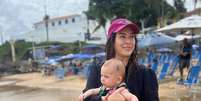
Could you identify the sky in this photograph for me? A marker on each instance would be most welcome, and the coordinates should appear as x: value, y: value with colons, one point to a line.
x: 189, y: 4
x: 18, y: 16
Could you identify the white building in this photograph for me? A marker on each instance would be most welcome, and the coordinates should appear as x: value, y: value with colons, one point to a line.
x: 65, y: 29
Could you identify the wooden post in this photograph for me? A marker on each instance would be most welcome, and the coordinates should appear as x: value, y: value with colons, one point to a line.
x: 12, y: 44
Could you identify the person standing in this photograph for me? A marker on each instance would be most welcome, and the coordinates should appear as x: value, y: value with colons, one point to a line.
x: 122, y: 45
x: 184, y: 58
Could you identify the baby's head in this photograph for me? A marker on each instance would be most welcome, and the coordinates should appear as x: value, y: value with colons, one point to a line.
x: 112, y: 73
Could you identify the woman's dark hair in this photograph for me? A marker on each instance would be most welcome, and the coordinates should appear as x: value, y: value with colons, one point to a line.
x: 110, y: 53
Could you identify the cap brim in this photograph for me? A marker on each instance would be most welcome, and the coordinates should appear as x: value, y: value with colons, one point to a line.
x: 132, y: 26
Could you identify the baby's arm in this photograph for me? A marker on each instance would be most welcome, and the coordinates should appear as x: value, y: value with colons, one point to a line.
x: 129, y: 96
x: 89, y: 93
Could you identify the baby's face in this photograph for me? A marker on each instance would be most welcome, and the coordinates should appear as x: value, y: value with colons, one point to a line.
x: 109, y: 77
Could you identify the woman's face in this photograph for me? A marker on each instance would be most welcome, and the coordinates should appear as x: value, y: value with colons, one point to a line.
x: 124, y: 43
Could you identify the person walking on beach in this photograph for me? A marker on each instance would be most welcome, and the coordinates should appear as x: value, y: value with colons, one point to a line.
x: 122, y: 45
x: 184, y: 58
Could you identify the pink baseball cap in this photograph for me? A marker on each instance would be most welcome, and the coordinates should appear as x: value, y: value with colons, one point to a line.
x: 119, y: 24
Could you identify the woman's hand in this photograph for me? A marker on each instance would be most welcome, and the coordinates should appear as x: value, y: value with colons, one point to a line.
x: 116, y: 95
x: 128, y: 96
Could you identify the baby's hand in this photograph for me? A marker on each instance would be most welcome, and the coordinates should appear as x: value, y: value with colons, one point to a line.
x: 81, y: 97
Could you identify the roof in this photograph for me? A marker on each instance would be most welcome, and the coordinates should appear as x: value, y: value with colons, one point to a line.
x: 193, y: 12
x: 58, y: 18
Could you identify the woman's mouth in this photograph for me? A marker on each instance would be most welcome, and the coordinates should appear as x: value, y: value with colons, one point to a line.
x: 128, y: 48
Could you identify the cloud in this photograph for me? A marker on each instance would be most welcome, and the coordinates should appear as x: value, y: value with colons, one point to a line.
x: 18, y: 16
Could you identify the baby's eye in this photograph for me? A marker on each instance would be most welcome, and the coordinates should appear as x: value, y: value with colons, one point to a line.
x: 104, y: 76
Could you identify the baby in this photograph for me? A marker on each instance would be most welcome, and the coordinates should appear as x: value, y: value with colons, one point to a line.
x: 112, y: 77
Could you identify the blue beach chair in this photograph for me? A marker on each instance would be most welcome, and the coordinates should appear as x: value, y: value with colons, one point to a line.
x: 174, y: 65
x: 193, y: 76
x: 154, y: 67
x: 164, y: 71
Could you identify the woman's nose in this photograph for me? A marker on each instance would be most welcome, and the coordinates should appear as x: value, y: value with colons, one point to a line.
x: 129, y: 40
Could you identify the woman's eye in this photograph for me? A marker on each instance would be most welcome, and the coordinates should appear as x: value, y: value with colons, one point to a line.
x: 123, y: 37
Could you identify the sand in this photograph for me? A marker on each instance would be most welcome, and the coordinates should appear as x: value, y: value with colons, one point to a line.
x: 49, y: 82
x: 71, y: 87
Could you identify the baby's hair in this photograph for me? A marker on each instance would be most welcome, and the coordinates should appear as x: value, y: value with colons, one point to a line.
x: 118, y: 65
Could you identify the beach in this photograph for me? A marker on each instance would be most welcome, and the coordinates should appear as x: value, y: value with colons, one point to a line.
x: 36, y: 87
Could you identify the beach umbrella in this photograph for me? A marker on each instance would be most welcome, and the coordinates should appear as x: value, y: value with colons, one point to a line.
x: 154, y: 39
x: 192, y: 23
x: 194, y: 46
x: 182, y: 37
x: 66, y: 57
x: 69, y: 56
x: 90, y: 46
x: 50, y: 62
x: 91, y: 49
x: 83, y: 56
x: 164, y: 50
x: 100, y: 54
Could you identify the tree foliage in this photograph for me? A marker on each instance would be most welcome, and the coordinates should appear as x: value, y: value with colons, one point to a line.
x: 147, y: 10
x: 179, y: 5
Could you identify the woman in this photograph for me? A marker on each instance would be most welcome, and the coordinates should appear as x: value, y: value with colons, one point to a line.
x: 122, y: 45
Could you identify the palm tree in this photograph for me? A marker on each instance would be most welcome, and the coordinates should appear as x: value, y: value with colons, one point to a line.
x: 97, y: 10
x: 195, y: 3
x: 45, y: 19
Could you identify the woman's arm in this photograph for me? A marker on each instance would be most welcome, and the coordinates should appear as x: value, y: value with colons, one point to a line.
x: 93, y: 81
